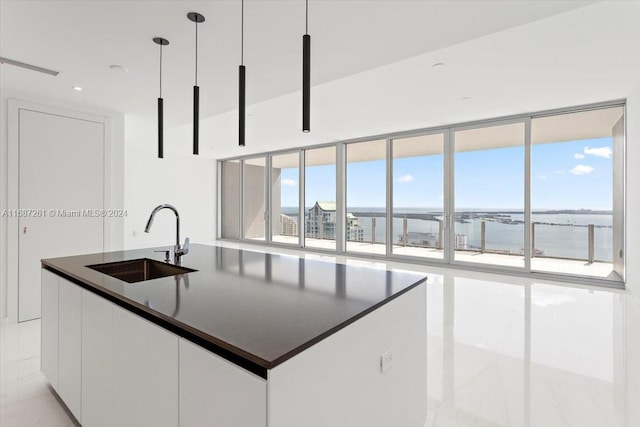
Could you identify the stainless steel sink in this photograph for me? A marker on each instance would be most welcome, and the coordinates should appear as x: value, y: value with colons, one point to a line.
x: 139, y: 270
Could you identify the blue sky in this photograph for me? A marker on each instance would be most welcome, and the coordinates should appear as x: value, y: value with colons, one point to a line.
x: 572, y: 175
x: 568, y: 175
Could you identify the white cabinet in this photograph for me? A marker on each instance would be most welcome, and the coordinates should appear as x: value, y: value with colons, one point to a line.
x: 215, y: 392
x: 145, y: 372
x: 69, y: 346
x: 49, y: 325
x: 97, y: 360
x: 114, y: 368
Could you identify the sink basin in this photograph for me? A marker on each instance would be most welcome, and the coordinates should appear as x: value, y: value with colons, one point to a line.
x: 139, y: 270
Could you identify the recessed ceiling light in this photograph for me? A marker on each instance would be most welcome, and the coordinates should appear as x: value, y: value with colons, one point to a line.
x: 78, y: 88
x: 119, y: 68
x: 438, y: 65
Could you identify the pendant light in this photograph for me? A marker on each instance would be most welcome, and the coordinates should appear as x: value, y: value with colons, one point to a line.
x: 241, y: 82
x: 196, y: 18
x: 162, y: 42
x: 306, y: 74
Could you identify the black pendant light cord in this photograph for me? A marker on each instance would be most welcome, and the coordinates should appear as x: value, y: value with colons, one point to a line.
x: 160, y: 70
x: 306, y: 17
x: 242, y: 33
x: 196, y: 84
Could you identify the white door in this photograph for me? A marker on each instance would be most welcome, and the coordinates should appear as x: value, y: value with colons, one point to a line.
x: 61, y: 173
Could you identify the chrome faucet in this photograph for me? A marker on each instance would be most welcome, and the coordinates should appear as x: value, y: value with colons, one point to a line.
x: 178, y: 250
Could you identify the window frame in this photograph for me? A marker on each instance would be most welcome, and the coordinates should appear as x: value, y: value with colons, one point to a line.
x: 448, y: 259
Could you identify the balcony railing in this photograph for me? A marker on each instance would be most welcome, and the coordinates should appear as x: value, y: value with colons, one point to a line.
x: 435, y: 239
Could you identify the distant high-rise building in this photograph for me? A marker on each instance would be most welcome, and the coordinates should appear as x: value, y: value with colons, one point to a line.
x: 288, y: 225
x: 321, y: 223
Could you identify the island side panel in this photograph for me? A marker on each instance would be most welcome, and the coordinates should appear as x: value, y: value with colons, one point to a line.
x: 49, y: 325
x: 339, y: 381
x: 214, y: 391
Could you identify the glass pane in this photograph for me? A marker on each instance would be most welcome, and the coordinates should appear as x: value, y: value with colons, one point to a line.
x: 285, y: 174
x: 366, y: 197
x: 489, y: 195
x: 253, y: 181
x: 230, y: 199
x: 320, y: 198
x: 418, y: 196
x: 574, y: 221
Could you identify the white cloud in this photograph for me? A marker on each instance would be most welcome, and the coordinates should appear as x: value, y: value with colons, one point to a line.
x: 579, y: 156
x: 542, y: 177
x: 599, y: 152
x: 581, y: 170
x: 404, y: 179
x: 558, y: 172
x: 289, y: 182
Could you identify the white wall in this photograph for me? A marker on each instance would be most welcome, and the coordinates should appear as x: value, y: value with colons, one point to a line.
x: 117, y: 173
x: 180, y: 178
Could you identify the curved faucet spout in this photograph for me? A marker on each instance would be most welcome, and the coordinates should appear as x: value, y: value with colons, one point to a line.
x: 158, y: 209
x: 178, y: 250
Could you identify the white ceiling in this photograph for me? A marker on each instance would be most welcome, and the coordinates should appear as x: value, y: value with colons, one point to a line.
x: 583, y: 56
x: 82, y: 38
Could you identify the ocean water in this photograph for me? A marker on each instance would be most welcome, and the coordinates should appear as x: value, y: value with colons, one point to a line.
x: 559, y: 235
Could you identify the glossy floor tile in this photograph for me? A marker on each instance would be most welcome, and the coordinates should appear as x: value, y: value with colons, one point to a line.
x: 502, y: 351
x: 513, y: 352
x: 25, y: 397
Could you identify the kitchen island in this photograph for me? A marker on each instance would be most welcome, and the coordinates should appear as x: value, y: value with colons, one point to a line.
x: 242, y: 339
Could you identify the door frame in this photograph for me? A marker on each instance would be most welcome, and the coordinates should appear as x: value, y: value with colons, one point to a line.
x: 13, y: 185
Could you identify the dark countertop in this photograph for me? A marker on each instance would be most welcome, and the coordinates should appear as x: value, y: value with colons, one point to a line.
x: 255, y: 309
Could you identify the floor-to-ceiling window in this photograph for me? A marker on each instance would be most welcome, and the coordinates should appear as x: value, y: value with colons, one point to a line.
x: 488, y: 222
x: 254, y: 209
x: 230, y: 199
x: 540, y: 193
x: 418, y: 227
x: 285, y: 195
x: 576, y: 192
x: 320, y: 198
x: 366, y: 177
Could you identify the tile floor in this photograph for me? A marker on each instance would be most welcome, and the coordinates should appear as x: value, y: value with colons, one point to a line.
x: 502, y: 351
x: 25, y: 397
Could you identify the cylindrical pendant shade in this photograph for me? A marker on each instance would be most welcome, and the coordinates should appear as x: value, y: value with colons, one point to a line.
x: 160, y: 129
x: 162, y: 42
x: 241, y: 106
x: 196, y: 118
x: 306, y: 83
